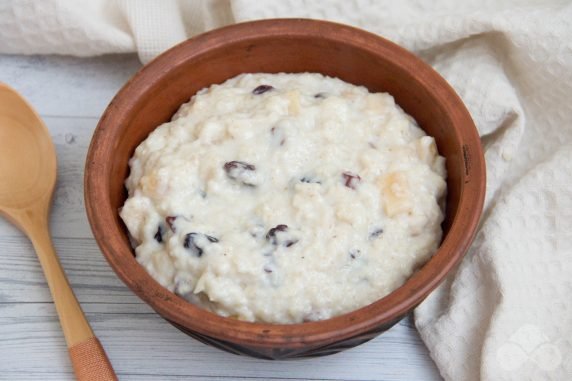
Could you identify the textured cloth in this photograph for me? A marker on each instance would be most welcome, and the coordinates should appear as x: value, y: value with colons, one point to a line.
x: 93, y: 27
x: 506, y: 314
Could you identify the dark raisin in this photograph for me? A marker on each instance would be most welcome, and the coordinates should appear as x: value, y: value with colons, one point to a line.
x: 285, y: 241
x: 271, y: 235
x: 375, y: 233
x: 190, y: 243
x: 239, y: 171
x: 262, y: 89
x: 229, y: 166
x: 159, y: 235
x: 170, y: 220
x: 354, y: 253
x: 320, y: 96
x: 211, y: 238
x: 290, y: 242
x: 351, y: 180
x: 310, y: 180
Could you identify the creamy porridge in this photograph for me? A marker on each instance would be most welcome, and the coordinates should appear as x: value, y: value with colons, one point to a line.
x: 285, y: 198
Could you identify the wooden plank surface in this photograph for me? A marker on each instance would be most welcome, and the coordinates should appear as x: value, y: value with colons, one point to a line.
x: 70, y: 94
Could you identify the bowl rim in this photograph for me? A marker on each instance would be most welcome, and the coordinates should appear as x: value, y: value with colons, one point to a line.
x: 384, y: 311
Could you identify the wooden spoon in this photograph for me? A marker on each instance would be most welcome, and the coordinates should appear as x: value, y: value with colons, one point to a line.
x: 27, y: 180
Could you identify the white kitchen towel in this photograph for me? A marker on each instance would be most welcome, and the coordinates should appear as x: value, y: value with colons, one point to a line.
x: 506, y: 314
x: 93, y: 27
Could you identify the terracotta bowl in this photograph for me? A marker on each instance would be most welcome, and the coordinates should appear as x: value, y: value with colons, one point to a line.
x: 153, y: 95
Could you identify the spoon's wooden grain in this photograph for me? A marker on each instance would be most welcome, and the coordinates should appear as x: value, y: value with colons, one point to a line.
x: 27, y: 180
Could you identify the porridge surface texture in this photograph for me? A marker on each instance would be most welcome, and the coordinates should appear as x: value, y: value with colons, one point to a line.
x: 285, y: 198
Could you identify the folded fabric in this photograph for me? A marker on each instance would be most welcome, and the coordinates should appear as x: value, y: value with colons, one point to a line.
x: 506, y: 314
x: 94, y: 27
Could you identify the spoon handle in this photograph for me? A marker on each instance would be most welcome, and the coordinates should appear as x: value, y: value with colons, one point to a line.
x: 88, y: 358
x: 90, y: 363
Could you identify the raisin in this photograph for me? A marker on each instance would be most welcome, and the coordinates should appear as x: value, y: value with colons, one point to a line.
x: 262, y: 89
x: 375, y: 233
x: 271, y: 235
x: 159, y: 235
x: 190, y: 243
x: 273, y: 239
x: 320, y: 96
x: 231, y: 165
x: 240, y: 171
x: 211, y: 238
x: 351, y: 180
x: 310, y: 180
x: 290, y: 242
x: 170, y: 220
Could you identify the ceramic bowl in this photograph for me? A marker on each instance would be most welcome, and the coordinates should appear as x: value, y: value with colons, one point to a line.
x: 153, y: 95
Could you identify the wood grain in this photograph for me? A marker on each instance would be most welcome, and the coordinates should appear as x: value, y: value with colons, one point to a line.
x: 28, y: 173
x: 142, y: 346
x: 143, y: 343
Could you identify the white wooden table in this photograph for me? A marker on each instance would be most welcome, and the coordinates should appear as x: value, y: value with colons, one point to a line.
x: 70, y: 94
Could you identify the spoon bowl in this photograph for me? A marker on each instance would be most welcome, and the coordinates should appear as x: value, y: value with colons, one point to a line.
x: 27, y: 155
x: 27, y: 179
